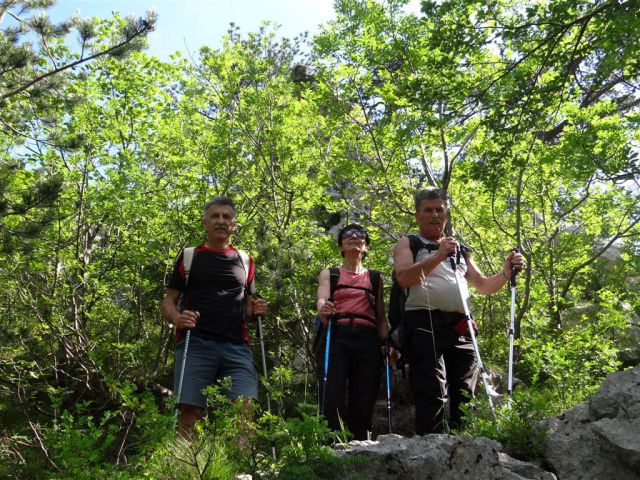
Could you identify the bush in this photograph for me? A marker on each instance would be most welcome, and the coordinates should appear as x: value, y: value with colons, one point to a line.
x: 516, y: 425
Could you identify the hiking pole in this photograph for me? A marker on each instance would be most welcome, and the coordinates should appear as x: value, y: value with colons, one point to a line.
x: 264, y: 370
x: 264, y: 359
x: 326, y: 361
x: 184, y: 364
x: 187, y: 260
x: 387, y: 354
x: 474, y: 340
x: 512, y: 323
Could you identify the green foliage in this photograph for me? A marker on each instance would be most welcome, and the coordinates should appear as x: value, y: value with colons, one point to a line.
x: 516, y: 427
x: 217, y: 451
x: 79, y: 443
x: 35, y: 70
x: 573, y: 362
x: 227, y: 442
x: 302, y: 445
x: 526, y: 113
x: 84, y: 444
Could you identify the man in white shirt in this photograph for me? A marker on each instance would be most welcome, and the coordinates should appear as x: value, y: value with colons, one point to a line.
x: 441, y: 355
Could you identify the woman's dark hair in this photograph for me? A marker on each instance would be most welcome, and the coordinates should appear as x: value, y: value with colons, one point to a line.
x: 354, y: 226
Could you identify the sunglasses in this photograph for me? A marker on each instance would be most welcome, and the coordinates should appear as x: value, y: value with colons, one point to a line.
x: 352, y: 232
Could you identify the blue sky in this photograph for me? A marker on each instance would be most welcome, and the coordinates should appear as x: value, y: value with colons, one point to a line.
x: 190, y: 24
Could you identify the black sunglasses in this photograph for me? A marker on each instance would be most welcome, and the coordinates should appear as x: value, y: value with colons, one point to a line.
x: 353, y: 231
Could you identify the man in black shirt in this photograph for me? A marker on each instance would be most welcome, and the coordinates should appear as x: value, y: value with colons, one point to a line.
x: 217, y: 300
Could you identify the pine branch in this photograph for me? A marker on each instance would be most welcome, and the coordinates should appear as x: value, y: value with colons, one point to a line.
x: 147, y: 27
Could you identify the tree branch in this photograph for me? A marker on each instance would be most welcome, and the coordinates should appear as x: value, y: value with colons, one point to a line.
x: 593, y: 258
x: 147, y: 27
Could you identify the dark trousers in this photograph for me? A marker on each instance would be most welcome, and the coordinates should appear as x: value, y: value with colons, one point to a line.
x: 442, y: 364
x: 353, y: 379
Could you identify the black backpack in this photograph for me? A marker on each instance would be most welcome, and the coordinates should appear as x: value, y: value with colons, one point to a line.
x: 398, y: 296
x: 334, y: 277
x: 374, y: 276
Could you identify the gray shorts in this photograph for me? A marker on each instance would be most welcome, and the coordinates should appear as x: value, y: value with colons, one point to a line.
x: 209, y: 361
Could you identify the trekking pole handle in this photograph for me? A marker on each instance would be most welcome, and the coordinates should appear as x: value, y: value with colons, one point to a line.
x: 514, y: 272
x: 331, y: 300
x: 257, y: 296
x: 452, y: 258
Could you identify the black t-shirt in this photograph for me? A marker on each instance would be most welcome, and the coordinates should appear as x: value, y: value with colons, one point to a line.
x: 218, y: 283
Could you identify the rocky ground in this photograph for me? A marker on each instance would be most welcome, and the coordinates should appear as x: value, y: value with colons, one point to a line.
x: 598, y: 439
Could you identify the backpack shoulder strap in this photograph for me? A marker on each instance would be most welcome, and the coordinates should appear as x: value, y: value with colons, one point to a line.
x: 246, y: 262
x: 187, y: 260
x: 374, y: 276
x: 416, y: 243
x: 334, y: 276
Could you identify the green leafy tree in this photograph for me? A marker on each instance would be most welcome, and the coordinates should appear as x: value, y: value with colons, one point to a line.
x: 36, y: 62
x: 463, y: 98
x: 254, y: 132
x: 527, y: 115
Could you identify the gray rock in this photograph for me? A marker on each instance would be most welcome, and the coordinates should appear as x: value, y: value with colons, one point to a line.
x: 524, y: 469
x: 619, y: 396
x: 599, y: 439
x: 629, y: 356
x: 443, y: 457
x: 623, y: 438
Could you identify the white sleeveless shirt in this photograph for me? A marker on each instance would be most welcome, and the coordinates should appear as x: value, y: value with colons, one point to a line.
x: 438, y: 290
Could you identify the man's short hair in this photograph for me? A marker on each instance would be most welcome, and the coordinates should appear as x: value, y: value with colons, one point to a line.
x: 431, y: 193
x: 222, y: 201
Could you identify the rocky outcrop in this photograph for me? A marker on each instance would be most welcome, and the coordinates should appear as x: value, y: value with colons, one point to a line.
x: 596, y: 440
x: 599, y: 438
x: 442, y: 457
